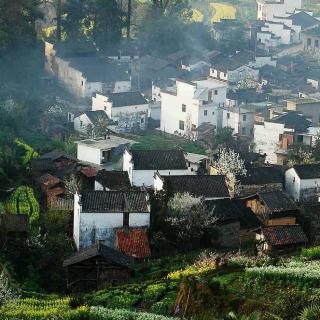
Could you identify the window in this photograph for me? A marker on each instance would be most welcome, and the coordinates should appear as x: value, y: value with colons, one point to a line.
x: 184, y: 108
x: 213, y: 113
x: 300, y: 139
x: 308, y: 42
x: 193, y: 127
x: 105, y: 108
x: 205, y: 113
x: 210, y: 96
x: 228, y: 115
x: 243, y: 130
x: 81, y: 123
x: 181, y: 125
x: 316, y: 43
x: 244, y: 117
x: 142, y: 120
x: 215, y: 92
x: 82, y: 83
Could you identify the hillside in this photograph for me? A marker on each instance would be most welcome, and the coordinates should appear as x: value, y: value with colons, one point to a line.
x: 198, y: 286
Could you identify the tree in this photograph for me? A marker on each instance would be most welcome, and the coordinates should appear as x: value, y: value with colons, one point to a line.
x: 188, y: 215
x: 28, y: 153
x: 72, y: 184
x: 223, y: 138
x: 230, y: 165
x: 129, y: 14
x: 17, y: 22
x: 300, y: 154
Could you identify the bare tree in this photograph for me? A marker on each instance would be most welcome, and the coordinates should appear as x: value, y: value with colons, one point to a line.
x: 72, y: 184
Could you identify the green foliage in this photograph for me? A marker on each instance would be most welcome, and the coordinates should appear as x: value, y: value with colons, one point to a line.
x: 23, y: 201
x: 154, y: 291
x: 311, y: 253
x: 311, y: 313
x: 29, y: 153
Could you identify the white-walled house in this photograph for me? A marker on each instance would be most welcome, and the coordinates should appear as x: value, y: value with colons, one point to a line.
x: 190, y: 105
x: 239, y: 119
x: 97, y: 215
x: 204, y: 186
x: 267, y: 9
x: 238, y: 70
x: 267, y: 135
x: 129, y: 109
x: 88, y: 120
x: 302, y: 182
x: 141, y: 165
x: 196, y: 162
x: 86, y: 74
x: 102, y: 152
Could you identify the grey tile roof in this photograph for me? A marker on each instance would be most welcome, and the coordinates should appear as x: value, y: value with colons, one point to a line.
x: 99, y: 114
x: 123, y: 99
x: 304, y: 20
x: 56, y: 154
x: 307, y: 171
x: 114, y: 201
x: 262, y: 175
x: 158, y: 160
x: 229, y: 210
x: 114, y: 180
x: 198, y: 185
x: 41, y: 164
x: 225, y: 63
x: 102, y: 251
x: 293, y: 120
x: 14, y: 222
x: 313, y: 31
x: 277, y: 201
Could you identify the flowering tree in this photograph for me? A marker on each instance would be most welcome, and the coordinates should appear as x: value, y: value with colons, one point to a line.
x: 188, y: 215
x: 6, y: 293
x: 230, y: 165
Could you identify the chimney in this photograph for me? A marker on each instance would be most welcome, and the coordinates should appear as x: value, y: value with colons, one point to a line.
x: 126, y: 214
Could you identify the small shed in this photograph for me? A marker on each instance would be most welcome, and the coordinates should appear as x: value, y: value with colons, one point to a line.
x: 234, y: 222
x: 281, y: 237
x: 96, y: 267
x: 13, y: 227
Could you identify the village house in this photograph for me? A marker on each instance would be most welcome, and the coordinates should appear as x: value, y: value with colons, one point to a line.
x: 102, y: 152
x: 191, y: 104
x: 280, y: 238
x: 268, y: 9
x: 84, y: 73
x: 309, y: 107
x: 298, y: 22
x: 235, y: 70
x: 236, y: 98
x: 240, y: 119
x: 203, y: 186
x: 273, y: 208
x: 112, y: 181
x: 87, y: 121
x: 311, y: 39
x: 98, y: 214
x: 302, y: 182
x: 260, y: 179
x: 268, y: 135
x: 141, y: 165
x: 129, y: 109
x: 197, y: 163
x: 313, y: 78
x: 97, y: 267
x: 234, y: 222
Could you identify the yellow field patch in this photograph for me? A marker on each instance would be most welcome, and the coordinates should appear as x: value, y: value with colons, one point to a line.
x: 222, y: 11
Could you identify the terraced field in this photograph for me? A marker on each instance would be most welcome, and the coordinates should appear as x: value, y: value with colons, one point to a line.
x: 222, y: 11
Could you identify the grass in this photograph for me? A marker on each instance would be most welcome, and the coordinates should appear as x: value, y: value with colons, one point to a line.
x: 163, y: 141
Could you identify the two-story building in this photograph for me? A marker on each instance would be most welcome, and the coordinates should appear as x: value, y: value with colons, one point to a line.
x: 190, y: 104
x: 268, y: 134
x: 129, y: 109
x: 267, y: 9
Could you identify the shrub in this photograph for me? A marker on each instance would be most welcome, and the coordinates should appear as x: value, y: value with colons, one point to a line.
x: 311, y: 253
x: 154, y: 291
x: 166, y: 305
x: 311, y: 313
